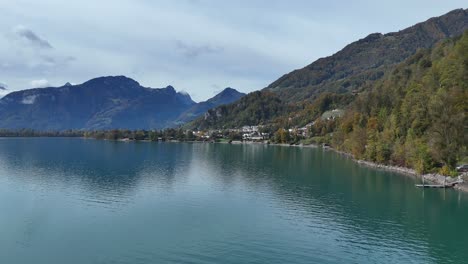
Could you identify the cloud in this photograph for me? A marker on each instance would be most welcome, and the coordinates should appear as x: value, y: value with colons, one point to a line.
x: 40, y: 83
x: 28, y: 35
x: 193, y: 51
x: 3, y: 89
x: 24, y: 54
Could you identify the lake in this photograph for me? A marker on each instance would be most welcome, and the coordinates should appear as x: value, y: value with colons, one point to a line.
x: 68, y: 200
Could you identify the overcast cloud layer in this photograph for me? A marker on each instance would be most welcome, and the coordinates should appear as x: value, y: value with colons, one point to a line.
x: 195, y: 45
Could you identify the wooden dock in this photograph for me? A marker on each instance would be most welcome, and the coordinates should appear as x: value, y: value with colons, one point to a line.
x: 448, y: 185
x: 435, y: 185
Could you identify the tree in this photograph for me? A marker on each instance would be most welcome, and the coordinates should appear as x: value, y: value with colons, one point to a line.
x: 153, y: 135
x: 190, y: 136
x: 446, y: 132
x: 282, y: 136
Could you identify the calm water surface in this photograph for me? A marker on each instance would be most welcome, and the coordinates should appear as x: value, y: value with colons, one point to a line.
x: 88, y: 201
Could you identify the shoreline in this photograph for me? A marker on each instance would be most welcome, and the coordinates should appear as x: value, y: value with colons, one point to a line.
x: 433, y: 178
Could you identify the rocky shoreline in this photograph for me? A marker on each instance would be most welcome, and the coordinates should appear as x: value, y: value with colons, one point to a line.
x: 430, y: 178
x: 433, y: 178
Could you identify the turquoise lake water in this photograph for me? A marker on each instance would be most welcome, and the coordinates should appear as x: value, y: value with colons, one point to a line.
x: 87, y: 201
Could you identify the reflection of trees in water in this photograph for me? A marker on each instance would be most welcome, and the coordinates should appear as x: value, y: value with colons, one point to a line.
x: 366, y: 201
x: 100, y: 167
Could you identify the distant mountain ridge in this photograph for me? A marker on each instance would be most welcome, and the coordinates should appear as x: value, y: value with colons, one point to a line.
x: 226, y: 96
x: 368, y: 58
x: 100, y: 103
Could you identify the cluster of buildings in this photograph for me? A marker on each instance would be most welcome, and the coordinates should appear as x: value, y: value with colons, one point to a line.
x: 301, y: 131
x: 253, y: 133
x: 332, y: 114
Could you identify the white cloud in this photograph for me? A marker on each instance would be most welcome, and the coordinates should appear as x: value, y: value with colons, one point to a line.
x: 39, y: 83
x: 25, y: 54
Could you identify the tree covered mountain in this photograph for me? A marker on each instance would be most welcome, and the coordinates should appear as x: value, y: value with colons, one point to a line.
x: 255, y: 108
x: 416, y: 116
x: 100, y: 103
x: 333, y: 81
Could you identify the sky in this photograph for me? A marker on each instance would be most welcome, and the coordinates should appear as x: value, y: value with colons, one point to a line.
x: 197, y: 46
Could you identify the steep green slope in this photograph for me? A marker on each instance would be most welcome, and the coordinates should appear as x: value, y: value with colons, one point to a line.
x: 254, y: 108
x: 299, y: 96
x: 415, y: 116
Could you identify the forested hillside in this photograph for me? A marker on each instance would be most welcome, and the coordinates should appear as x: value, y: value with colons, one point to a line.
x: 254, y: 108
x: 415, y: 116
x: 332, y: 82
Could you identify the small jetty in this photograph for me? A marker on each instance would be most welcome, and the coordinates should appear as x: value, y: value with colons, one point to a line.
x: 435, y: 185
x: 445, y: 185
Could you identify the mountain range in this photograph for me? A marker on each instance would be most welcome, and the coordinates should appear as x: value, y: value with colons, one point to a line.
x: 294, y: 99
x: 103, y: 103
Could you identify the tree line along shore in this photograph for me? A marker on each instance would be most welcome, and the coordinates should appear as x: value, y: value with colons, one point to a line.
x: 257, y: 134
